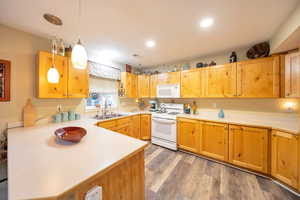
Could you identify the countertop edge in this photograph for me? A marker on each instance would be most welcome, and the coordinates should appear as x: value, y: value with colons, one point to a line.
x: 240, y: 124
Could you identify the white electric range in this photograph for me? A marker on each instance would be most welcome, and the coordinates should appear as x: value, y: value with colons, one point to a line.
x: 164, y: 131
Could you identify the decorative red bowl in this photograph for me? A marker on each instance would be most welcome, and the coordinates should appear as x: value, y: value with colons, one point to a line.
x: 70, y: 134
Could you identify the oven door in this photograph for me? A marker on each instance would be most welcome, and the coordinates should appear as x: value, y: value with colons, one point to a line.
x: 164, y: 129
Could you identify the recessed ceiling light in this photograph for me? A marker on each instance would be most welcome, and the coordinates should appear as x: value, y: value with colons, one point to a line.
x: 150, y: 43
x: 206, y: 22
x: 53, y: 19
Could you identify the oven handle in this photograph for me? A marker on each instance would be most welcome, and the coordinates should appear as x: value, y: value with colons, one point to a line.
x: 164, y: 121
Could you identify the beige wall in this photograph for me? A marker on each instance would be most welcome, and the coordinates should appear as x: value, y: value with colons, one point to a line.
x: 219, y: 58
x: 286, y: 30
x: 21, y: 49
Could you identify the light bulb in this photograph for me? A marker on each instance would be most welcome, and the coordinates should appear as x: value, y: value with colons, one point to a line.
x: 53, y: 75
x: 79, y: 56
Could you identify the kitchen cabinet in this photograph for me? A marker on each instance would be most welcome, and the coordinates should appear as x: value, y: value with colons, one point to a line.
x: 258, y: 78
x: 73, y: 83
x: 143, y: 86
x: 214, y: 140
x: 128, y: 85
x: 188, y: 134
x: 168, y: 78
x: 292, y: 75
x: 192, y: 83
x: 135, y: 126
x: 78, y: 82
x: 153, y: 85
x: 145, y: 127
x: 220, y: 81
x: 285, y: 158
x: 248, y: 147
x: 51, y: 90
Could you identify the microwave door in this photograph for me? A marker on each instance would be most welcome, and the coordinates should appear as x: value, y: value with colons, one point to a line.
x: 164, y: 92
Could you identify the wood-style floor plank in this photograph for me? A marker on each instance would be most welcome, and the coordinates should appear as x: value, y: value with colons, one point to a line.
x: 174, y: 175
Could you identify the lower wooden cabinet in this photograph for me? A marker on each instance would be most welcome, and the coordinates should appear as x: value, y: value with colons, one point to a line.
x: 135, y: 126
x: 188, y: 134
x: 248, y: 147
x: 285, y: 158
x: 145, y: 129
x: 214, y: 140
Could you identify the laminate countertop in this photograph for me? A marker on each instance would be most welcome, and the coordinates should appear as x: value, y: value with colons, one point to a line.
x: 277, y: 121
x: 40, y: 167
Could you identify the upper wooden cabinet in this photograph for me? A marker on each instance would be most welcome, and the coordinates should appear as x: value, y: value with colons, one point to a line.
x: 188, y: 134
x: 143, y: 86
x: 258, y: 78
x: 214, y: 140
x: 248, y: 147
x: 129, y: 85
x: 145, y: 130
x: 220, y: 81
x: 192, y: 83
x: 153, y: 85
x: 78, y: 82
x: 291, y: 75
x: 285, y: 158
x: 168, y: 78
x: 73, y: 83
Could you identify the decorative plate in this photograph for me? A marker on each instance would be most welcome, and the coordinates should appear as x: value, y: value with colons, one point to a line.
x: 70, y: 134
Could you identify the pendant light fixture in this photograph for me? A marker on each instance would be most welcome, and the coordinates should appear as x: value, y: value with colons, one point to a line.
x: 52, y: 74
x: 79, y: 55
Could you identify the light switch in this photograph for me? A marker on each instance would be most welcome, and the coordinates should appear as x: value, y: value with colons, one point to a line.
x: 94, y: 194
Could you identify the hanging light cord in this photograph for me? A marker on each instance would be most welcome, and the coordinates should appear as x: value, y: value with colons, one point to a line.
x: 79, y: 16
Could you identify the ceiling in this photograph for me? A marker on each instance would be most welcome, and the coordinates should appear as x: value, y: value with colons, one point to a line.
x: 123, y: 26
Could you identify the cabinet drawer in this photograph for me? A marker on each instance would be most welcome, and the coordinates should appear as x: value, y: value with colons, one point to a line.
x: 107, y: 124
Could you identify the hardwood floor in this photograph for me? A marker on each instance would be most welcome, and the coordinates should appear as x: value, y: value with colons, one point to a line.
x: 180, y: 176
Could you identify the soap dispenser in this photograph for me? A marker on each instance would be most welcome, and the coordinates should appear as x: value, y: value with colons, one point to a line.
x: 221, y: 114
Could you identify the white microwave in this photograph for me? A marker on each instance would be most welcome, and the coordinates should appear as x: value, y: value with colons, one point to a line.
x: 168, y: 91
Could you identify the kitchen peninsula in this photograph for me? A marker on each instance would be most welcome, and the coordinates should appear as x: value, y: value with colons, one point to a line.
x: 42, y: 168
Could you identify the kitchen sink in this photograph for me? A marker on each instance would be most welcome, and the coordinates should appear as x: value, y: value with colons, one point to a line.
x: 110, y: 116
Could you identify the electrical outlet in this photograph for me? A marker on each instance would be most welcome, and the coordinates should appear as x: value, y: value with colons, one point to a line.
x: 94, y: 194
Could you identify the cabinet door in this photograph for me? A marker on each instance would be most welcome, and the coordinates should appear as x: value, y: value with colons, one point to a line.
x: 191, y: 83
x: 220, y: 81
x: 50, y: 90
x: 153, y: 85
x: 78, y: 82
x: 145, y: 127
x: 125, y: 129
x: 173, y: 78
x: 135, y: 126
x: 258, y: 78
x: 248, y: 147
x: 188, y: 134
x: 214, y: 140
x: 134, y: 86
x: 168, y: 78
x: 292, y: 75
x: 129, y: 84
x: 285, y: 158
x: 143, y: 86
